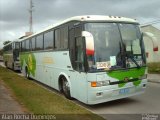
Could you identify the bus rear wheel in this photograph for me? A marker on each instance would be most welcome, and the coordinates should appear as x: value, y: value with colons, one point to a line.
x: 13, y: 66
x: 5, y: 63
x: 66, y: 88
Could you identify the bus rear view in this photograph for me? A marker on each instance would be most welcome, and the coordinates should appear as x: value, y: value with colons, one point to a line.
x: 11, y: 55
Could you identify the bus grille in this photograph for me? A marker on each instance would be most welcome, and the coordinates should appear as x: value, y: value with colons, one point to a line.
x: 123, y: 81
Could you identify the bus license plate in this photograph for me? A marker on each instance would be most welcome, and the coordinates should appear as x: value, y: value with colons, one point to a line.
x: 124, y: 91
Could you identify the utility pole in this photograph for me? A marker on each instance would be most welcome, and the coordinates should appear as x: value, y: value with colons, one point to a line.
x: 31, y: 19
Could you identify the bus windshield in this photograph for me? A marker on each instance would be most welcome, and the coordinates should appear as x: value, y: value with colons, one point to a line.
x: 117, y: 46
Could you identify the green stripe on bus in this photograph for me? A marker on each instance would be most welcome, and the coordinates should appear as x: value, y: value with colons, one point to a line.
x: 130, y: 73
x: 30, y: 60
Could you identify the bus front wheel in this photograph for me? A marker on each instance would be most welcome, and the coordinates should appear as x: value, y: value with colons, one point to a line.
x: 66, y: 88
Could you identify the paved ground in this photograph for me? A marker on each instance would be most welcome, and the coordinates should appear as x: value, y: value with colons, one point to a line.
x: 154, y: 78
x: 130, y: 108
x: 7, y: 103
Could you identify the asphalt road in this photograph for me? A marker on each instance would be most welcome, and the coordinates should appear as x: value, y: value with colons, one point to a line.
x: 133, y: 108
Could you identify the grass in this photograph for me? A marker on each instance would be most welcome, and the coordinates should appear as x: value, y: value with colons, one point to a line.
x: 154, y: 67
x: 38, y: 100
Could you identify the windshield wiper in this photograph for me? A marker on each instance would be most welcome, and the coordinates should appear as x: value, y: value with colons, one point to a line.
x: 131, y: 57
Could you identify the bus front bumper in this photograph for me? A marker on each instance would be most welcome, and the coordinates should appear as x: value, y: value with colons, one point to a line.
x: 105, y: 94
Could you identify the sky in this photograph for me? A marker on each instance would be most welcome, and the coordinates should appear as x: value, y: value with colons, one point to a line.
x: 14, y: 14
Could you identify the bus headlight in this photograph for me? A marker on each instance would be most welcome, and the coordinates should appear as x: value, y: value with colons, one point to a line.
x: 100, y: 83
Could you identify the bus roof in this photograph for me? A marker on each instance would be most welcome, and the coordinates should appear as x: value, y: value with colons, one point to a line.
x: 87, y: 18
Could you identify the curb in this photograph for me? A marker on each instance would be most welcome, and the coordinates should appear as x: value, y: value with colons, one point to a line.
x: 154, y: 81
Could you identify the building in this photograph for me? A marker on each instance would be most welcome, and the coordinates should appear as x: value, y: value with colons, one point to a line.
x: 152, y: 56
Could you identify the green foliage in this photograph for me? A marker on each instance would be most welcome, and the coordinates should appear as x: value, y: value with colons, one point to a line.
x: 154, y: 67
x: 1, y: 52
x: 6, y: 42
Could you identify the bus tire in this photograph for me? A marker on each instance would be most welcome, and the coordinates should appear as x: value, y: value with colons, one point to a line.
x: 13, y: 66
x: 27, y: 73
x: 5, y: 63
x: 66, y: 88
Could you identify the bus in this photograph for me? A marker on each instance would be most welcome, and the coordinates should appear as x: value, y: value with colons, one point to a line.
x: 11, y: 55
x: 93, y: 59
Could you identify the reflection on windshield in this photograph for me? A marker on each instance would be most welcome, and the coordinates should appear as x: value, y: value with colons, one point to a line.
x: 111, y: 41
x: 131, y: 38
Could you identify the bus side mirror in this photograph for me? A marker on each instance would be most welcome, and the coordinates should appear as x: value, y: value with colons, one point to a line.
x: 89, y: 42
x: 153, y: 39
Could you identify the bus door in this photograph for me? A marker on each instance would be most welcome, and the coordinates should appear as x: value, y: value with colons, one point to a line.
x: 77, y: 55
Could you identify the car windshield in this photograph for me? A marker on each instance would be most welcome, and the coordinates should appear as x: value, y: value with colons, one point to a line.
x: 117, y: 45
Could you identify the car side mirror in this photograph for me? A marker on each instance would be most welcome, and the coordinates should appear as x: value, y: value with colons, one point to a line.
x: 153, y: 39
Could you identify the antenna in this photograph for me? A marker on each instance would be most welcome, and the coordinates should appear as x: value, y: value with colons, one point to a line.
x: 31, y: 19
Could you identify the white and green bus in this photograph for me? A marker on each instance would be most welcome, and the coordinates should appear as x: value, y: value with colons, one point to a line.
x: 11, y: 55
x: 94, y: 58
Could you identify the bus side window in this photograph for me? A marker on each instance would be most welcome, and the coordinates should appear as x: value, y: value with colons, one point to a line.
x: 17, y: 45
x: 30, y: 45
x: 23, y: 46
x: 48, y: 40
x: 79, y: 54
x: 72, y: 47
x: 27, y: 45
x: 13, y: 46
x: 64, y: 37
x: 76, y: 47
x: 33, y: 43
x: 57, y: 38
x: 39, y: 42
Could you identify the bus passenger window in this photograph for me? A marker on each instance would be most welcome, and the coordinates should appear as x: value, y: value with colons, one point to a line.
x: 57, y: 38
x: 17, y: 45
x: 39, y: 42
x: 64, y: 37
x: 33, y: 42
x: 79, y: 54
x: 48, y: 40
x: 23, y: 46
x: 27, y: 45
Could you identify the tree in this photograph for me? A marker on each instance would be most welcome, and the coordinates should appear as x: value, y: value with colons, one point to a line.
x: 1, y: 52
x: 6, y: 42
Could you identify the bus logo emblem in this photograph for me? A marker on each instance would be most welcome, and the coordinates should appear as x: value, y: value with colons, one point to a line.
x: 126, y: 79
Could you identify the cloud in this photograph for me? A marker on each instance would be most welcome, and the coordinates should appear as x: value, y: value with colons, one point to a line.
x: 14, y: 15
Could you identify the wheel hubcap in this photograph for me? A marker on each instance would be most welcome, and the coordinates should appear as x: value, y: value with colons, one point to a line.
x: 65, y: 86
